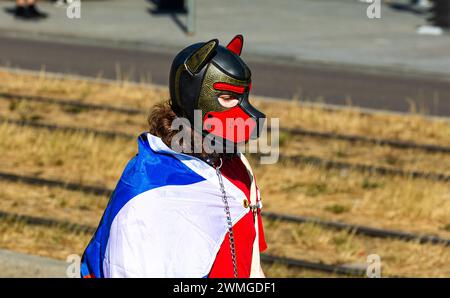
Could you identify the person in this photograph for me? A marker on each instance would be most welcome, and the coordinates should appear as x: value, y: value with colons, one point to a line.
x: 421, y: 6
x: 27, y: 9
x: 179, y: 212
x: 440, y: 14
x: 425, y: 4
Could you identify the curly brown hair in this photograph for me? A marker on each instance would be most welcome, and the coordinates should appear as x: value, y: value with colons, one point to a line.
x: 160, y: 121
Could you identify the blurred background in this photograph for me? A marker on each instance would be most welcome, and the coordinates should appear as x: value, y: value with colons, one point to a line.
x: 361, y: 88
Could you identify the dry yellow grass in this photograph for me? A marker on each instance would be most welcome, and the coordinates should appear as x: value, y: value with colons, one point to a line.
x: 55, y: 243
x: 298, y: 241
x: 80, y: 158
x: 360, y: 153
x: 390, y: 202
x: 120, y: 94
x: 417, y: 205
x: 397, y: 258
x: 290, y: 240
x: 377, y: 201
x: 303, y: 192
x: 281, y: 271
x: 56, y: 203
x: 68, y: 116
x: 290, y: 144
x: 69, y: 206
x: 59, y: 243
x: 414, y: 128
x: 293, y: 114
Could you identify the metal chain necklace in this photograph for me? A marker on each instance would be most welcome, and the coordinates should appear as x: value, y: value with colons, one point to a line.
x: 229, y: 222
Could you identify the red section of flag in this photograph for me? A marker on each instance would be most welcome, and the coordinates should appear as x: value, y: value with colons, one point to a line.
x: 244, y: 230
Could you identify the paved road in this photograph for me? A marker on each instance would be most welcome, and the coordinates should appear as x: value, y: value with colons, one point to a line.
x: 13, y: 264
x: 314, y: 30
x: 285, y: 79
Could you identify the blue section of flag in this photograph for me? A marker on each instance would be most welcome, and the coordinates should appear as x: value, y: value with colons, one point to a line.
x: 146, y: 171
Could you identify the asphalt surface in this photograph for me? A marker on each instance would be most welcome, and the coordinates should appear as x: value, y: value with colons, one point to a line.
x: 333, y: 84
x: 14, y: 265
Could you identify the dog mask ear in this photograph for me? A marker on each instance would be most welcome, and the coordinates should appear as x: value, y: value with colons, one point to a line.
x: 236, y: 44
x: 199, y: 58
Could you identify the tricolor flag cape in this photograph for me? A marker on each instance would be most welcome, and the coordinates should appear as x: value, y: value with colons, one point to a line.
x: 165, y: 217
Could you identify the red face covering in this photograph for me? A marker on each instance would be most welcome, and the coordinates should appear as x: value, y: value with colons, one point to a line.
x: 234, y: 124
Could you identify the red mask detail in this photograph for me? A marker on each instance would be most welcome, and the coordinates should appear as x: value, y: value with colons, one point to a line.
x: 229, y: 87
x: 236, y: 44
x: 233, y: 124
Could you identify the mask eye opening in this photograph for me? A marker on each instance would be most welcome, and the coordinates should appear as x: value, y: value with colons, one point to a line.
x: 229, y: 99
